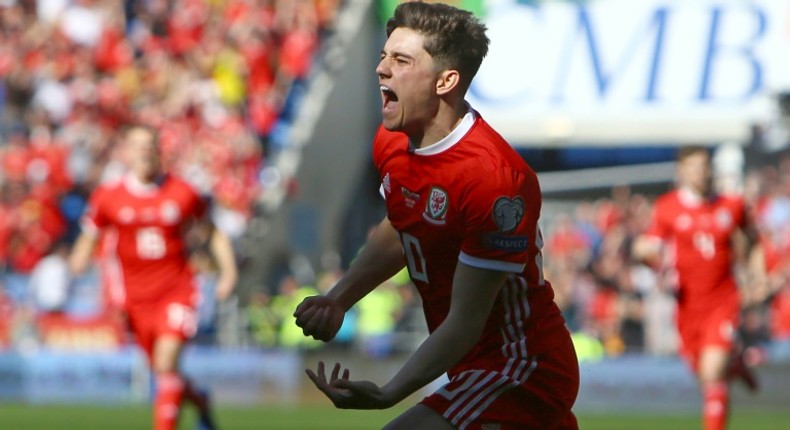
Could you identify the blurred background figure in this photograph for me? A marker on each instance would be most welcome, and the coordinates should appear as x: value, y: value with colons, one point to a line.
x: 152, y: 212
x: 704, y: 226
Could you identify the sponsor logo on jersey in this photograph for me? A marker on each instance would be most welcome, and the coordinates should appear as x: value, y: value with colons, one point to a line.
x: 508, y: 213
x: 723, y: 218
x: 126, y: 215
x: 683, y: 222
x: 170, y: 212
x: 409, y: 197
x: 436, y: 207
x: 386, y: 183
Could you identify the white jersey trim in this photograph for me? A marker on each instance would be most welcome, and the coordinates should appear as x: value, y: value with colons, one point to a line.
x: 451, y: 139
x: 690, y: 198
x: 482, y: 263
x: 139, y: 188
x: 477, y: 390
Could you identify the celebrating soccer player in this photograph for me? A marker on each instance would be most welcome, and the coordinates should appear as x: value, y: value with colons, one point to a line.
x: 462, y: 215
x: 150, y: 212
x: 702, y: 229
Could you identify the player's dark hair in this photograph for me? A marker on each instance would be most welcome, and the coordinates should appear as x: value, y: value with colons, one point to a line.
x: 689, y: 150
x: 454, y: 38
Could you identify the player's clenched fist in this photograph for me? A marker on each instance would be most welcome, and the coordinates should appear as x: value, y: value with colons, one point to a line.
x: 319, y: 317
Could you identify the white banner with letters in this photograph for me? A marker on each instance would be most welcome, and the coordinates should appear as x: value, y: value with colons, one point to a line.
x: 608, y: 72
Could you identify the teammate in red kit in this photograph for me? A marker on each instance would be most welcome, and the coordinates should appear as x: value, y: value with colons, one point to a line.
x: 462, y: 215
x: 703, y: 229
x: 150, y: 212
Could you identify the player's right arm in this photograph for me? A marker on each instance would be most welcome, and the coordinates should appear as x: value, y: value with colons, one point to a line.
x: 380, y: 259
x: 82, y: 252
x: 648, y: 247
x: 92, y: 221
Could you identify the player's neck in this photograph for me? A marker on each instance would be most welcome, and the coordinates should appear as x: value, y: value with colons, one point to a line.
x: 144, y: 180
x: 446, y: 120
x: 141, y: 184
x: 455, y: 136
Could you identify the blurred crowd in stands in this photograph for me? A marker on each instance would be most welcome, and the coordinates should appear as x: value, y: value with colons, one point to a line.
x: 219, y: 79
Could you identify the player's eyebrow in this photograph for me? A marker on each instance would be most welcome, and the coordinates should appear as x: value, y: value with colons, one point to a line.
x: 396, y: 54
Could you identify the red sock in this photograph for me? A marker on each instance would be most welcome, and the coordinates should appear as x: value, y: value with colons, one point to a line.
x: 715, y: 406
x: 167, y: 404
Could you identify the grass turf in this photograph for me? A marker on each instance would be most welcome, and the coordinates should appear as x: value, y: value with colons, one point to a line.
x: 35, y: 417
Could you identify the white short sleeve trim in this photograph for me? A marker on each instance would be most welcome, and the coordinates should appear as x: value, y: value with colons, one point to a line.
x: 451, y: 139
x: 482, y: 263
x: 381, y: 191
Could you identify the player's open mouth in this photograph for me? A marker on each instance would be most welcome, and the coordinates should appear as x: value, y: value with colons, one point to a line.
x: 388, y: 97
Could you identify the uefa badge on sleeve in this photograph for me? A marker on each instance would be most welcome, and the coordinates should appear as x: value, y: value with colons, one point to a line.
x: 169, y: 212
x: 508, y: 213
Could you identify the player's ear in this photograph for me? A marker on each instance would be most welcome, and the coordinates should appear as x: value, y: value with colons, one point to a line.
x: 447, y: 81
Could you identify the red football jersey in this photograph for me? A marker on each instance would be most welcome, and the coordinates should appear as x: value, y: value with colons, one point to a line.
x: 701, y: 232
x: 150, y: 223
x: 471, y: 198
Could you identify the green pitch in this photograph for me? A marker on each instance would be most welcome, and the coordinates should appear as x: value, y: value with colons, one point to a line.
x: 26, y: 417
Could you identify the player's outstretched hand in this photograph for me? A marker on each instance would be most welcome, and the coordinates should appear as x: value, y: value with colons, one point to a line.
x: 347, y: 394
x: 319, y: 317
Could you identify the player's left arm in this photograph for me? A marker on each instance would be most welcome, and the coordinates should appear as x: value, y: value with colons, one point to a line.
x: 758, y: 286
x: 221, y: 249
x: 91, y: 224
x: 474, y: 293
x: 648, y: 247
x: 219, y: 244
x: 749, y: 260
x: 82, y: 252
x: 746, y: 238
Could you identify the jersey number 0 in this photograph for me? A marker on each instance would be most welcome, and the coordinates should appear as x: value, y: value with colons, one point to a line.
x: 414, y: 258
